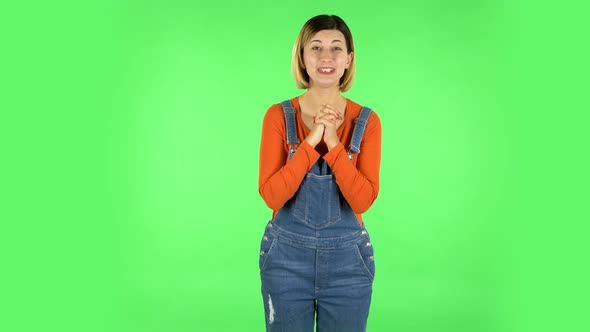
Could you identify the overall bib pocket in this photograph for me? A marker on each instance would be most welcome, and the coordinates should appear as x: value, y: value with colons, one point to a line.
x: 317, y: 203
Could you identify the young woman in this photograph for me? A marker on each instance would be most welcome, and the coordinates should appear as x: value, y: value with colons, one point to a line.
x: 319, y: 171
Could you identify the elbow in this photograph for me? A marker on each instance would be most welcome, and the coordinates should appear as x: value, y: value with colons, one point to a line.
x: 270, y: 201
x: 363, y: 205
x: 275, y: 206
x: 361, y: 208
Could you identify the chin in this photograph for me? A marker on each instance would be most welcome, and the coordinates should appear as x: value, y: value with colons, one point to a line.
x: 328, y: 84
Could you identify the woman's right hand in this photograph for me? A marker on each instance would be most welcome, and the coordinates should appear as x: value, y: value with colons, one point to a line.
x: 316, y: 134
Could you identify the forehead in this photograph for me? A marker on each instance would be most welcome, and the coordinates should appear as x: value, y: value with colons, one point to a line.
x: 328, y: 36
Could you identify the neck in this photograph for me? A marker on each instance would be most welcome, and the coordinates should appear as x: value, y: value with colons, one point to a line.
x: 317, y: 96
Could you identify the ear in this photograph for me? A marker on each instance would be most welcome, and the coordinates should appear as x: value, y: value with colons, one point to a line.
x: 349, y: 60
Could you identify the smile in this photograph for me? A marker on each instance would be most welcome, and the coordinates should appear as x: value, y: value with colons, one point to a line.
x: 325, y: 70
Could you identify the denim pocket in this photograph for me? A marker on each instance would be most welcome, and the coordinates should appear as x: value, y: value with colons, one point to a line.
x: 365, y: 254
x: 318, y: 201
x: 266, y: 245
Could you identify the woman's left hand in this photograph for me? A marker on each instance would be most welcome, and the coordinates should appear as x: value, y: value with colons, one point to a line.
x: 331, y: 119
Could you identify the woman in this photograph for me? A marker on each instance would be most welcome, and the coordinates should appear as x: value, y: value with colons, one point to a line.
x: 319, y: 171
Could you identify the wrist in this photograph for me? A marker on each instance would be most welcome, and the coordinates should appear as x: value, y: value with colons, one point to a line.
x: 332, y: 144
x: 311, y: 141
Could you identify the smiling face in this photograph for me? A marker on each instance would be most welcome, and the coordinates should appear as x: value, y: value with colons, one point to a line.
x: 326, y: 58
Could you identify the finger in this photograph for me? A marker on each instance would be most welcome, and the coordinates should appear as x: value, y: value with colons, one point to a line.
x: 326, y: 122
x: 328, y: 117
x: 316, y: 118
x: 327, y: 113
x: 329, y: 107
x: 326, y: 108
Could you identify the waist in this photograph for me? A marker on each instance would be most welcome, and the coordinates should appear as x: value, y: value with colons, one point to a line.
x: 358, y: 216
x: 345, y: 240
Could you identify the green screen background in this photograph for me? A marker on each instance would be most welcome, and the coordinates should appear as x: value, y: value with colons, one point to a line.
x: 131, y: 167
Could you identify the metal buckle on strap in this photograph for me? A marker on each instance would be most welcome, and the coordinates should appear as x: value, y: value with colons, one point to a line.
x: 292, y: 149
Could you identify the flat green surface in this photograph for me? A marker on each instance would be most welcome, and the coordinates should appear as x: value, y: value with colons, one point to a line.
x: 130, y: 136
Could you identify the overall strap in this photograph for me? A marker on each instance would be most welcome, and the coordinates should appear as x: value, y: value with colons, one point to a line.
x: 359, y: 131
x: 291, y: 126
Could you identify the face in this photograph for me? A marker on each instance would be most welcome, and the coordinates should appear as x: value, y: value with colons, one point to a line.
x: 325, y: 58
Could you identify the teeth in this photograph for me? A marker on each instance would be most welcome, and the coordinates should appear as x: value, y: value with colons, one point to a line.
x: 326, y: 70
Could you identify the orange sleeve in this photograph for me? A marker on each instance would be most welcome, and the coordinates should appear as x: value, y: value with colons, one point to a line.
x: 279, y: 178
x: 359, y: 184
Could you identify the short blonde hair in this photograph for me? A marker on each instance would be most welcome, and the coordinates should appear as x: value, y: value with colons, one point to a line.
x: 311, y: 27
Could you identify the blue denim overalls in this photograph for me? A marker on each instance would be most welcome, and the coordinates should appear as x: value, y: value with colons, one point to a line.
x: 315, y: 258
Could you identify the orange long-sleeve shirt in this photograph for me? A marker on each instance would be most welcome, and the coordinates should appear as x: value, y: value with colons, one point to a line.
x: 279, y: 178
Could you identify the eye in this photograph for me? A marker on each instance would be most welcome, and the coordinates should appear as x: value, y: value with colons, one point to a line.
x: 337, y: 48
x: 315, y: 48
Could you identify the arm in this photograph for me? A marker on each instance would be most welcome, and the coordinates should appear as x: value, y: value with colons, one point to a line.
x: 279, y: 178
x: 359, y: 184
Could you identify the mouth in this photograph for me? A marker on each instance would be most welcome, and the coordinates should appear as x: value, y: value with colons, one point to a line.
x: 326, y: 70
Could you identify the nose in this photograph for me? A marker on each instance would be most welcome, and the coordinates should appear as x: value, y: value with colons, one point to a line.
x: 326, y: 55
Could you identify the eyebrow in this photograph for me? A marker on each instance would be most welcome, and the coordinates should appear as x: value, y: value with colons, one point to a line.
x: 333, y: 41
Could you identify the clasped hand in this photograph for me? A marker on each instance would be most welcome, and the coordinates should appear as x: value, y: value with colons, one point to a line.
x: 325, y: 124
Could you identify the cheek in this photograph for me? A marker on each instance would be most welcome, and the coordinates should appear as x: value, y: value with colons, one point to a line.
x: 343, y: 58
x: 308, y: 61
x: 309, y: 66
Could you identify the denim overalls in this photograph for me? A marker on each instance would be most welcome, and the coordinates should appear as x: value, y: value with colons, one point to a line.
x: 315, y: 257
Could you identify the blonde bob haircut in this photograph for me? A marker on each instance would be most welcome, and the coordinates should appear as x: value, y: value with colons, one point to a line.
x: 311, y: 27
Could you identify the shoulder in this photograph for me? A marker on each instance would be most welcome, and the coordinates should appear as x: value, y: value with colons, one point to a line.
x: 273, y: 112
x: 275, y: 118
x: 356, y: 108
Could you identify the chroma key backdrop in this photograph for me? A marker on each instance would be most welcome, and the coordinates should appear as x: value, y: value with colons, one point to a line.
x: 134, y: 176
